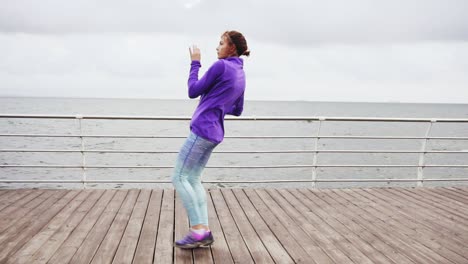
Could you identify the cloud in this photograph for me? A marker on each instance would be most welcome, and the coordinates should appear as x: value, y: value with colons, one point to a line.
x: 92, y: 65
x: 189, y: 3
x: 335, y: 50
x: 156, y: 66
x: 405, y: 72
x: 297, y: 22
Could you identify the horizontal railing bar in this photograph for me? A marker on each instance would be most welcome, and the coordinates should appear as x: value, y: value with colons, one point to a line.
x: 245, y: 118
x: 87, y: 181
x: 254, y: 181
x: 105, y: 117
x: 392, y: 137
x: 237, y: 167
x: 142, y: 136
x: 237, y: 151
x: 89, y: 151
x: 340, y: 180
x: 86, y: 167
x: 231, y: 137
x: 87, y: 136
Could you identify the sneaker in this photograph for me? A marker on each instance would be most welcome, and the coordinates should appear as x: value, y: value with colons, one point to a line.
x: 208, y: 239
x: 191, y: 241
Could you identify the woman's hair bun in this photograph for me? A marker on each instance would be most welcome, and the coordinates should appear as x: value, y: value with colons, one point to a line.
x: 239, y: 41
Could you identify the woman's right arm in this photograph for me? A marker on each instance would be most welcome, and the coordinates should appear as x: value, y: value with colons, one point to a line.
x: 198, y: 87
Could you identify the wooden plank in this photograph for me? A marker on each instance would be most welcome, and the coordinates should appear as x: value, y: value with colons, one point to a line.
x: 396, y: 225
x: 23, y: 209
x: 426, y: 233
x: 109, y: 245
x: 48, y: 233
x: 181, y: 227
x: 49, y: 248
x: 76, y: 238
x: 356, y: 215
x: 456, y: 194
x: 325, y: 238
x: 414, y: 231
x: 11, y: 197
x: 19, y: 236
x: 281, y: 231
x: 420, y: 236
x: 239, y: 250
x: 88, y: 248
x: 446, y: 201
x: 332, y: 233
x: 129, y: 241
x: 463, y: 191
x: 5, y: 191
x: 219, y: 249
x: 276, y: 250
x: 317, y: 206
x: 333, y: 243
x: 255, y: 245
x: 413, y: 223
x: 146, y: 244
x: 307, y: 242
x: 431, y: 214
x: 20, y: 202
x: 411, y: 248
x: 165, y: 241
x: 203, y: 255
x: 21, y: 217
x: 440, y: 201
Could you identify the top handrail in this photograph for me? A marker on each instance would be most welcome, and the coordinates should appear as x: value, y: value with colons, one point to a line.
x: 242, y: 118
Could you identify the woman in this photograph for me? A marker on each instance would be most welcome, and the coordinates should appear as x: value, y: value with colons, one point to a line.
x: 222, y: 92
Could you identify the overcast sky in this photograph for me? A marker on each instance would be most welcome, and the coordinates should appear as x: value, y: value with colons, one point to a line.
x: 334, y: 50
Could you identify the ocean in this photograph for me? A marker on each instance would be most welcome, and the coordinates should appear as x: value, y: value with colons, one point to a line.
x: 159, y: 107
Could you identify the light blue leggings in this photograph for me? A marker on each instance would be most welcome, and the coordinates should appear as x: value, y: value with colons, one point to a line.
x: 186, y: 178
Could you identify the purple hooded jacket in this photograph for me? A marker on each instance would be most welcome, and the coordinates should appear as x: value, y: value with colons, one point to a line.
x: 222, y: 93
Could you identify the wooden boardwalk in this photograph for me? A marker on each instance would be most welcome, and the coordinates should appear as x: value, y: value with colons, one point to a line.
x: 377, y: 225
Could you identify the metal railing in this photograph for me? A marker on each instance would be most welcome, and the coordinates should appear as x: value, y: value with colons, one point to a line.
x: 315, y: 151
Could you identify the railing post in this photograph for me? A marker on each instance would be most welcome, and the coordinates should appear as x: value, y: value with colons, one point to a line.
x: 420, y: 182
x: 83, y: 157
x: 314, y: 162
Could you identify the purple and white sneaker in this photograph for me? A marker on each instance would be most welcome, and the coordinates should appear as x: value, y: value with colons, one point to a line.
x: 194, y: 240
x: 208, y: 239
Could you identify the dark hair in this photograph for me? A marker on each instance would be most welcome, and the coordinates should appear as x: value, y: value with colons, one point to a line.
x: 238, y: 40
